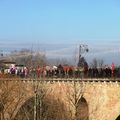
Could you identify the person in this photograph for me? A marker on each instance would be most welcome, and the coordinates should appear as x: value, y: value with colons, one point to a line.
x: 85, y: 69
x: 112, y: 68
x: 25, y: 72
x: 119, y: 72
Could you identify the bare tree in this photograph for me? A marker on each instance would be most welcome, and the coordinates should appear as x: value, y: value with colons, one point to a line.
x: 28, y: 58
x: 100, y: 62
x: 75, y: 97
x: 11, y: 94
x: 94, y: 63
x: 97, y: 63
x: 33, y: 109
x: 77, y: 106
x: 44, y: 105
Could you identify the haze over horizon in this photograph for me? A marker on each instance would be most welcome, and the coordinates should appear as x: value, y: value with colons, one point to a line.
x: 57, y: 27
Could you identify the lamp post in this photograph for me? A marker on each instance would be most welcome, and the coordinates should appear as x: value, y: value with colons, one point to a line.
x: 82, y: 49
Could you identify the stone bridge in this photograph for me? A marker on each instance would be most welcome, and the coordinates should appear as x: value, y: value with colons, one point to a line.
x: 102, y: 96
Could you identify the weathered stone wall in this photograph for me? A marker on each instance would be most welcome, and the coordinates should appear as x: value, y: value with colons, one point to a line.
x: 103, y: 98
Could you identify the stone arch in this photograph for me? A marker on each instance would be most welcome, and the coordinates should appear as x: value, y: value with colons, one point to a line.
x: 82, y: 110
x: 52, y: 108
x: 118, y: 118
x: 27, y: 98
x: 26, y: 107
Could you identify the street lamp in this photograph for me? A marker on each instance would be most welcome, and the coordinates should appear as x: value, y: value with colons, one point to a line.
x: 82, y: 49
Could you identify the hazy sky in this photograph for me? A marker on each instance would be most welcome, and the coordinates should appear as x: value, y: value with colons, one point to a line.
x: 70, y: 22
x: 59, y: 21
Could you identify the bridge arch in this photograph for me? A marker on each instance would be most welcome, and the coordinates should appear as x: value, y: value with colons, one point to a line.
x: 51, y: 108
x: 118, y: 118
x: 83, y: 110
x: 22, y: 103
x: 25, y: 108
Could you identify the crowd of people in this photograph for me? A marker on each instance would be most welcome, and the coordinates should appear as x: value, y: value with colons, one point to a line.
x: 62, y: 71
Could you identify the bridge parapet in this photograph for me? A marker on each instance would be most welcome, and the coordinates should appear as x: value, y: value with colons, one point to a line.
x: 60, y: 80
